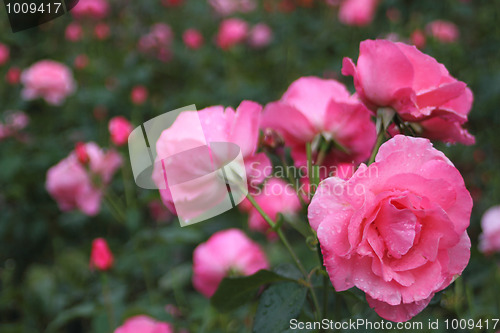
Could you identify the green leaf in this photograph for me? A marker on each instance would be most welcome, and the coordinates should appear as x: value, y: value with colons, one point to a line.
x: 236, y: 291
x: 176, y: 277
x: 279, y: 304
x: 79, y: 311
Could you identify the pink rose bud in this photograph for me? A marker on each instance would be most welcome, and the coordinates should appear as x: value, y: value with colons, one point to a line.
x: 192, y: 38
x: 225, y: 252
x: 231, y: 32
x: 101, y: 257
x: 94, y: 9
x: 444, y: 31
x: 74, y: 32
x: 13, y: 75
x: 418, y: 38
x: 101, y: 31
x: 81, y: 61
x: 357, y: 12
x: 144, y: 324
x: 397, y: 229
x: 260, y: 35
x: 119, y: 128
x: 81, y: 153
x: 489, y: 240
x: 139, y: 95
x: 415, y: 85
x: 49, y: 80
x: 4, y: 54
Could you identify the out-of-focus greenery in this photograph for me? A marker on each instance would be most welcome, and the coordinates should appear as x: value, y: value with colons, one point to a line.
x: 45, y: 281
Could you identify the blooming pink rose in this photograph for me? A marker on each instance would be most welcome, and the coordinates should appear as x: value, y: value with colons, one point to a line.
x: 4, y: 54
x: 74, y: 32
x: 357, y: 12
x: 444, y: 31
x: 489, y: 240
x: 224, y: 253
x: 144, y: 324
x: 227, y: 7
x: 419, y: 88
x: 260, y: 35
x: 192, y: 38
x: 95, y: 9
x: 217, y: 125
x: 276, y: 196
x: 71, y: 184
x: 101, y: 257
x: 231, y: 32
x: 120, y: 128
x: 312, y: 108
x: 49, y: 80
x: 397, y: 228
x: 139, y: 94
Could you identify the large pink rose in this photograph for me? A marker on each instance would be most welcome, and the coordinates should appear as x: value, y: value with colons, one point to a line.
x: 226, y: 252
x: 231, y: 32
x: 49, y: 80
x: 419, y: 88
x: 489, y: 240
x: 144, y: 324
x: 94, y: 9
x: 397, y: 228
x: 77, y: 186
x: 313, y: 107
x: 357, y: 12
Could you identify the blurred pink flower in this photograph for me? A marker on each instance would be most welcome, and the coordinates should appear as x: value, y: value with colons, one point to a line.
x: 396, y: 229
x: 489, y: 240
x: 101, y: 257
x: 159, y: 212
x: 157, y: 42
x: 357, y: 12
x: 4, y: 54
x: 81, y: 61
x: 49, y: 80
x: 13, y: 75
x: 227, y: 7
x: 227, y: 252
x: 77, y: 186
x: 192, y: 38
x: 418, y: 38
x: 139, y: 95
x: 172, y: 3
x: 94, y: 9
x: 74, y: 32
x: 444, y: 31
x: 231, y: 32
x: 120, y: 128
x: 414, y: 84
x: 15, y: 121
x: 260, y: 35
x: 144, y: 324
x: 314, y: 108
x: 101, y: 31
x: 276, y: 196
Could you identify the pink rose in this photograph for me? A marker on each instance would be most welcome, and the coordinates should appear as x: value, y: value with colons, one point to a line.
x: 4, y: 54
x: 13, y: 75
x: 81, y: 61
x: 94, y: 9
x: 414, y: 84
x: 397, y: 228
x: 489, y: 240
x: 260, y: 35
x: 144, y: 324
x: 240, y: 126
x: 314, y: 108
x: 49, y: 80
x: 74, y: 32
x: 418, y: 39
x: 227, y: 7
x: 224, y: 253
x: 357, y: 12
x: 157, y: 42
x: 276, y: 196
x: 15, y: 121
x: 231, y: 32
x: 444, y: 31
x: 101, y: 257
x: 192, y: 38
x: 139, y: 95
x: 119, y: 128
x: 70, y: 182
x: 101, y: 31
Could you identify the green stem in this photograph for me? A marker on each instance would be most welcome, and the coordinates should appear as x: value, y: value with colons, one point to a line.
x: 380, y: 140
x: 107, y: 301
x: 116, y: 209
x: 293, y: 181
